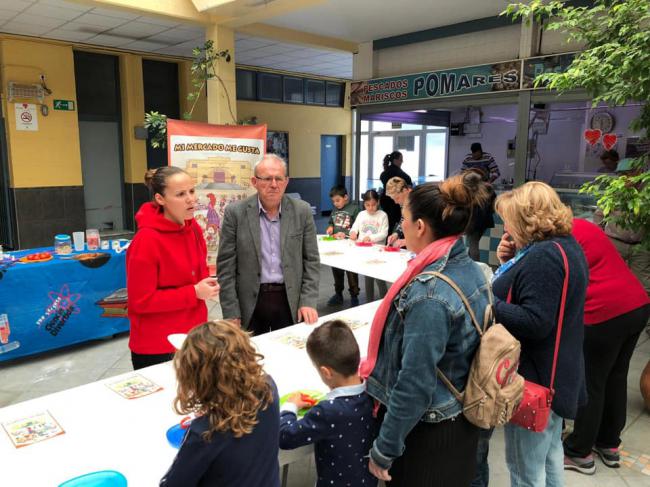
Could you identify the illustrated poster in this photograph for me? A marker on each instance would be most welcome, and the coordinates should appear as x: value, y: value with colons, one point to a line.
x: 220, y: 159
x: 32, y: 429
x: 134, y: 386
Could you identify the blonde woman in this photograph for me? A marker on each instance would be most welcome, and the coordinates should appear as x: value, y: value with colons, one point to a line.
x: 398, y: 190
x: 528, y: 292
x: 234, y: 439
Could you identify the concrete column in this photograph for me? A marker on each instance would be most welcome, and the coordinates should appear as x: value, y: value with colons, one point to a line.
x: 363, y: 62
x: 528, y: 47
x: 521, y: 150
x: 222, y: 96
x: 132, y: 99
x: 529, y: 39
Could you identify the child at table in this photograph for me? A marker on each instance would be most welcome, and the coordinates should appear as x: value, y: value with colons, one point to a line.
x: 233, y: 440
x: 371, y: 225
x: 339, y: 225
x: 341, y: 427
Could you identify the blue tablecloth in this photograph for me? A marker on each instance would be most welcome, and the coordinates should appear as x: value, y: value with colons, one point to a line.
x: 67, y: 300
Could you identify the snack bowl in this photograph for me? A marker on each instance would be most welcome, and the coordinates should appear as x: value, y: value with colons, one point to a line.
x: 102, y: 478
x: 317, y: 396
x: 389, y: 248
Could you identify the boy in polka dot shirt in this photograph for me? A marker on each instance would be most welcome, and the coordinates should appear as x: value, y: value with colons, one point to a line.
x: 341, y: 427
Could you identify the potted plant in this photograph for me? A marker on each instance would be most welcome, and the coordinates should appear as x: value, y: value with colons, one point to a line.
x: 203, y: 69
x: 613, y: 68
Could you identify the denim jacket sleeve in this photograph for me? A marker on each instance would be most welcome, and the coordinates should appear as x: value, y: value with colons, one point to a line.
x: 426, y: 333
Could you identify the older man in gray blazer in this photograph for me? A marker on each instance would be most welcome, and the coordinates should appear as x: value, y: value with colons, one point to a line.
x: 268, y: 262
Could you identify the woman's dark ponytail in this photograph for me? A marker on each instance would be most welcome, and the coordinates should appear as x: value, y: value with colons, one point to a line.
x: 389, y: 158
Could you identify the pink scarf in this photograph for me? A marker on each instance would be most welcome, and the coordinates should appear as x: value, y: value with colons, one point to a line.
x: 428, y: 255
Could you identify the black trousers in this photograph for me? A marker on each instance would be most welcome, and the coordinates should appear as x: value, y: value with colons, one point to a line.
x: 272, y: 310
x: 608, y: 348
x: 141, y: 360
x: 437, y: 454
x: 339, y: 285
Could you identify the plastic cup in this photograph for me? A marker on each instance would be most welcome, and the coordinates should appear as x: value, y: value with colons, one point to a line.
x: 78, y: 239
x: 92, y: 238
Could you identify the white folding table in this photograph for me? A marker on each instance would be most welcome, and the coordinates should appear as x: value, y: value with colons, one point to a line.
x: 104, y: 431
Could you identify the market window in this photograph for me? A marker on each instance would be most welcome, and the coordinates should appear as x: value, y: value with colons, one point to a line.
x: 245, y: 84
x: 335, y: 93
x: 269, y: 87
x: 293, y: 90
x: 314, y: 92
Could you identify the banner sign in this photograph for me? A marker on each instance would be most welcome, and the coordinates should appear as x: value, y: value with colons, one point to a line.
x: 485, y: 78
x: 533, y: 67
x: 435, y: 84
x: 220, y: 159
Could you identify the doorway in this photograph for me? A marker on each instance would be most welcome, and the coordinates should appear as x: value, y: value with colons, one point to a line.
x: 100, y: 137
x: 8, y: 237
x: 161, y: 94
x: 331, y: 172
x: 423, y: 142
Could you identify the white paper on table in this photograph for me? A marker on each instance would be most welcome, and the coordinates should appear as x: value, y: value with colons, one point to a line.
x: 177, y: 339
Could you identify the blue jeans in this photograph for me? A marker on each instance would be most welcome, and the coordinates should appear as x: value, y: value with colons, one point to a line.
x: 535, y: 459
x: 482, y: 477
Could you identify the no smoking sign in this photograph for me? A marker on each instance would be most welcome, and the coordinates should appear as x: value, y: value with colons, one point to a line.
x: 26, y: 117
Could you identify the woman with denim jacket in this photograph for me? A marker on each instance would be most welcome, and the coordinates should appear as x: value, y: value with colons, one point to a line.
x: 422, y: 325
x: 528, y: 292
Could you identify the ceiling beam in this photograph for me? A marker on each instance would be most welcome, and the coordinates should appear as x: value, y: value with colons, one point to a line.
x: 476, y: 25
x: 299, y: 37
x: 181, y: 10
x: 243, y: 12
x: 203, y: 5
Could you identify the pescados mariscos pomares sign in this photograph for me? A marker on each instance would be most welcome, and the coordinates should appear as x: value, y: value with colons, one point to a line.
x: 485, y: 78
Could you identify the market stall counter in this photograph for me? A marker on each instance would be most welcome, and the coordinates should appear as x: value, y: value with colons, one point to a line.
x: 121, y: 423
x: 49, y: 301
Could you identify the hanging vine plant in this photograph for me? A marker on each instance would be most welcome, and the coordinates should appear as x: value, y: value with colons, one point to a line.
x: 203, y: 69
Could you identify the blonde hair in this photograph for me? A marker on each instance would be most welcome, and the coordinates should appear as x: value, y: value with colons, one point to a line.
x: 534, y: 212
x: 395, y: 185
x: 219, y: 376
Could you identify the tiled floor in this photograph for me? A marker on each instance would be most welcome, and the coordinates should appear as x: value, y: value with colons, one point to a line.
x: 44, y: 374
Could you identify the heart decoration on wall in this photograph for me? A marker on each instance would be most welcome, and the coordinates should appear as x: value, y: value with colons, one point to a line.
x: 609, y: 141
x: 592, y: 136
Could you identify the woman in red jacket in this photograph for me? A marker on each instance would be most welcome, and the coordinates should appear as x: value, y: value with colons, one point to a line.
x: 166, y: 269
x: 616, y: 310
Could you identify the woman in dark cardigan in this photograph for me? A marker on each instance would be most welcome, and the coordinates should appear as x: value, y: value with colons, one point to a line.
x: 535, y: 220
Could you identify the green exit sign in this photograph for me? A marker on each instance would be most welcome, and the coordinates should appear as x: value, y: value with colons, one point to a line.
x: 67, y: 105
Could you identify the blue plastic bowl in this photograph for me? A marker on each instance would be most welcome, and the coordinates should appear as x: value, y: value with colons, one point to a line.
x: 175, y: 435
x: 103, y: 478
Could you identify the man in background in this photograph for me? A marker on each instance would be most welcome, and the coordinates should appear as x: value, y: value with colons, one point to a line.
x: 481, y: 160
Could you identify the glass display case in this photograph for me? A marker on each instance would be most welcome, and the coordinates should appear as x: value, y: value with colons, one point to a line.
x: 582, y: 205
x: 568, y: 184
x: 571, y: 179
